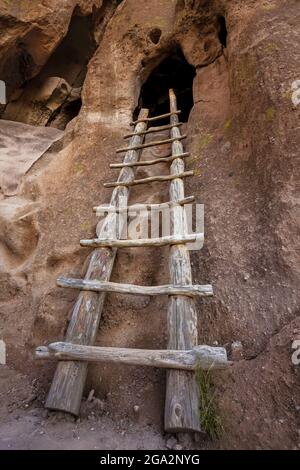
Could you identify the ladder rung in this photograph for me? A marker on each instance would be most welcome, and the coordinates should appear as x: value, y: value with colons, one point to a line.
x: 98, y: 286
x: 151, y: 179
x: 141, y: 207
x: 142, y: 242
x: 206, y: 357
x: 151, y: 144
x: 153, y: 129
x: 170, y: 158
x: 154, y: 118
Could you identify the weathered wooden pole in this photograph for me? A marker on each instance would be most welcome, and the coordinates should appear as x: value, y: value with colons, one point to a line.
x: 206, y: 356
x: 155, y: 161
x: 68, y: 383
x: 151, y: 144
x: 181, y: 408
x: 97, y: 286
x: 141, y: 242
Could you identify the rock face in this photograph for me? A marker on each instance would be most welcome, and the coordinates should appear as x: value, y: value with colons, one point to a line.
x: 21, y: 146
x: 243, y: 136
x: 31, y: 32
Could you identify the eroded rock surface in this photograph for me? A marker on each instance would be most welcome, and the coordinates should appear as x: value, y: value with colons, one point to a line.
x: 21, y: 146
x: 243, y: 136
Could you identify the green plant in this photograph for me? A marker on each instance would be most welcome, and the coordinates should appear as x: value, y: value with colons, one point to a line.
x: 209, y: 419
x: 228, y: 123
x: 270, y: 114
x: 204, y: 141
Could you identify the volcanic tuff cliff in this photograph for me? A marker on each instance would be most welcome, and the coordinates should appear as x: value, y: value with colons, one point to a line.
x: 81, y: 70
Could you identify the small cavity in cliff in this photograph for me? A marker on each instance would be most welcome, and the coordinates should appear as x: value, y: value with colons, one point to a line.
x: 173, y: 72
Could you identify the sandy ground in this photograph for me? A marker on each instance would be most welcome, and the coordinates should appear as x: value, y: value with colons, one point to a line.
x: 27, y: 425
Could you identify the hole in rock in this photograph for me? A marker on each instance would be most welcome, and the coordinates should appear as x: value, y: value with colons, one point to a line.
x: 155, y: 35
x: 222, y: 31
x: 65, y: 114
x: 173, y: 72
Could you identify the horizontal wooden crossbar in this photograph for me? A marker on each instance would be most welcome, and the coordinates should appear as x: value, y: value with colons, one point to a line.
x: 154, y: 129
x: 206, y: 357
x: 154, y: 118
x: 151, y: 179
x: 168, y: 159
x: 98, y: 286
x: 151, y: 144
x: 142, y: 242
x: 144, y: 207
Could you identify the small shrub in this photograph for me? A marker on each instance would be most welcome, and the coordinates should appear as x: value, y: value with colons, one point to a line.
x: 209, y: 419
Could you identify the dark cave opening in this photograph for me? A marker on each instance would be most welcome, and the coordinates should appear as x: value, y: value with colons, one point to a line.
x: 155, y: 35
x: 65, y: 114
x: 223, y: 33
x: 173, y: 72
x: 72, y: 109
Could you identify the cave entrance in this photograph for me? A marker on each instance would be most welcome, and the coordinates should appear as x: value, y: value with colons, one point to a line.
x: 173, y: 72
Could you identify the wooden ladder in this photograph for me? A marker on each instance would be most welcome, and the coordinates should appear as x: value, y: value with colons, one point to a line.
x: 183, y: 354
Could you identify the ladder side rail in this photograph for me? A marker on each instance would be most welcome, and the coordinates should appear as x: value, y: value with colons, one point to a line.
x: 66, y: 390
x: 181, y: 405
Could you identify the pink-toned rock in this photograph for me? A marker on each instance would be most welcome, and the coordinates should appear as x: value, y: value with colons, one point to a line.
x: 243, y: 140
x: 30, y: 33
